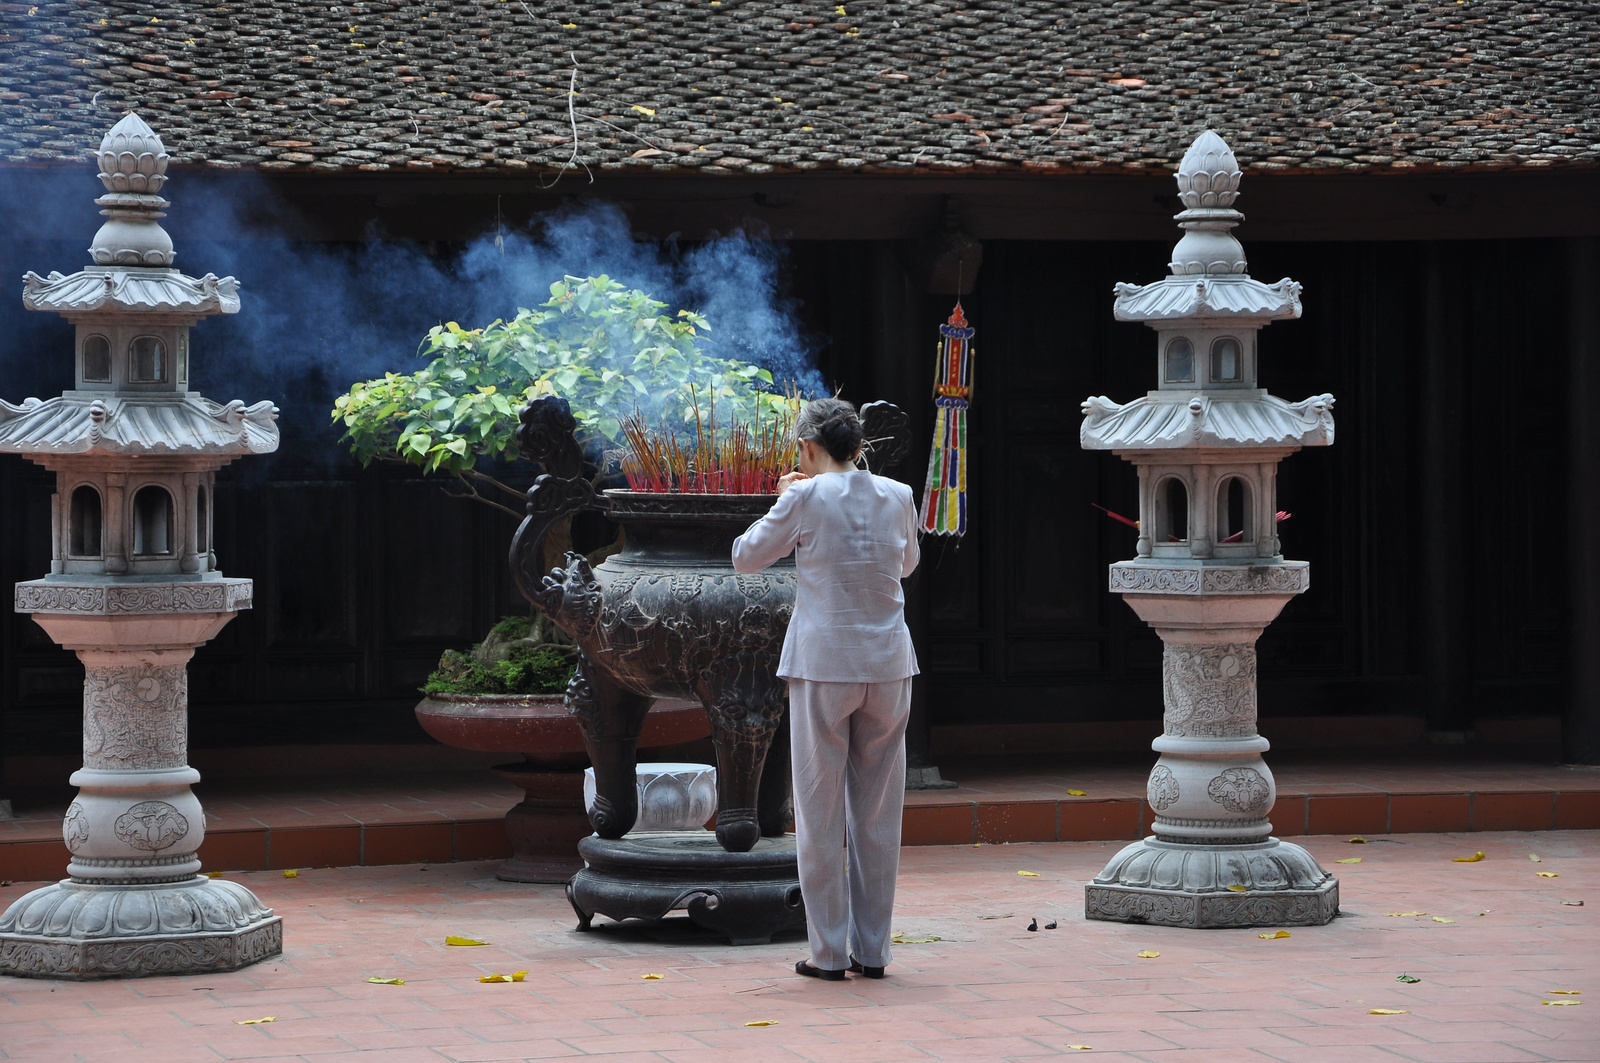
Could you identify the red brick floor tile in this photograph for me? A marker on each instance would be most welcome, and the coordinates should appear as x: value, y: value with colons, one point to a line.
x: 1289, y: 816
x: 1421, y: 813
x: 988, y: 990
x: 1085, y: 820
x: 531, y: 1048
x: 939, y: 824
x: 1023, y: 821
x: 1577, y: 810
x: 484, y: 840
x: 1477, y: 1052
x: 1500, y: 811
x: 314, y: 847
x: 1350, y: 814
x: 35, y: 861
x: 241, y: 850
x: 406, y: 843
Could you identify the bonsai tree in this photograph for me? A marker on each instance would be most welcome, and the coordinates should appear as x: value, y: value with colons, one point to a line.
x: 608, y: 349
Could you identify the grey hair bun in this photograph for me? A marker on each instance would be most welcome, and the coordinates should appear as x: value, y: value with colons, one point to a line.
x: 835, y: 424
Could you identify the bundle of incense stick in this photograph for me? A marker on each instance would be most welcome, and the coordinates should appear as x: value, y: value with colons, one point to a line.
x: 739, y: 458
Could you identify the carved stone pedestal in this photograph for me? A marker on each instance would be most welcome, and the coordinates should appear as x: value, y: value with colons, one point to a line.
x: 134, y: 904
x: 1212, y: 861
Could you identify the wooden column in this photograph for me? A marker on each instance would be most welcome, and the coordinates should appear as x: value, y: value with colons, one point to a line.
x: 1580, y: 733
x: 1443, y: 543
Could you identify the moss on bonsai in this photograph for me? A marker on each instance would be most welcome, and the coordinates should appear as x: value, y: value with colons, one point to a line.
x: 519, y: 656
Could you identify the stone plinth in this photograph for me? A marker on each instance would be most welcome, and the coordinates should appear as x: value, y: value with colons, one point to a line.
x: 1212, y: 861
x: 134, y: 902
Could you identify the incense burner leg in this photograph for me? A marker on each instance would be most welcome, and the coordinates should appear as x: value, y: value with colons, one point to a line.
x: 746, y: 704
x: 774, y: 807
x: 611, y: 717
x: 134, y: 904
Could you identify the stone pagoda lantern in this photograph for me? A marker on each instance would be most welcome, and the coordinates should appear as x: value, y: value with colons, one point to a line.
x: 134, y: 588
x: 1209, y: 575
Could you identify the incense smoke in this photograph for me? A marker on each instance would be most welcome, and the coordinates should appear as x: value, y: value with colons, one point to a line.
x: 316, y: 318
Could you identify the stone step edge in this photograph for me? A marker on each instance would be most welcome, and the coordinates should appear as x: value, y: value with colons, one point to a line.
x: 942, y: 820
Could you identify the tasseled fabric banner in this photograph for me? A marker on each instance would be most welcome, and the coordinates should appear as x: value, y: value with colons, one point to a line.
x: 944, y: 501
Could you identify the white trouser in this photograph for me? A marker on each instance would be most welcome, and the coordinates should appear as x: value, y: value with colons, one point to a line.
x: 848, y: 752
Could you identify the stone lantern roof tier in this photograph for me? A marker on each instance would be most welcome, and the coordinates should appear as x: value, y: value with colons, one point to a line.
x: 1234, y: 297
x: 137, y: 289
x: 1166, y: 420
x: 102, y: 423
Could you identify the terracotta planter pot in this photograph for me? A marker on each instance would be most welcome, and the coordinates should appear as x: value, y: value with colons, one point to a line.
x: 546, y: 826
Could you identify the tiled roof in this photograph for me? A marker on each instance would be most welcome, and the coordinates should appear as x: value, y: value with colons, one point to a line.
x: 760, y: 85
x: 1168, y: 420
x: 111, y: 423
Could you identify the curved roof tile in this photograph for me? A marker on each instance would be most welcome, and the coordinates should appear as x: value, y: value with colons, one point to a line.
x: 761, y: 85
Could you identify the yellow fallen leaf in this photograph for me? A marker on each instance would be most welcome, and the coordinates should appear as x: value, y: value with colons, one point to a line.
x: 1536, y: 858
x: 1028, y: 874
x: 763, y: 1022
x: 516, y: 976
x: 1473, y: 859
x: 1547, y: 874
x: 1238, y: 888
x: 1568, y: 992
x: 1279, y: 934
x: 1147, y: 955
x: 454, y: 940
x: 645, y: 110
x: 1349, y: 860
x: 213, y: 874
x: 291, y: 873
x: 901, y: 939
x: 1442, y: 919
x: 1387, y: 1011
x: 386, y: 981
x: 1358, y: 840
x: 255, y: 1022
x: 651, y: 977
x: 1082, y: 1048
x: 1405, y: 913
x: 1562, y: 1003
x: 1077, y: 793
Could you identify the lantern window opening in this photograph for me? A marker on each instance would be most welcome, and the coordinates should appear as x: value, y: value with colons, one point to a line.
x: 147, y: 360
x: 202, y: 521
x: 183, y: 358
x: 84, y: 533
x: 1234, y: 523
x: 1172, y: 511
x: 1226, y: 356
x: 152, y: 522
x: 1179, y: 368
x: 96, y: 359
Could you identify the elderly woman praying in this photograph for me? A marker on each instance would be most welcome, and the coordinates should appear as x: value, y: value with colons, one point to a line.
x: 848, y: 660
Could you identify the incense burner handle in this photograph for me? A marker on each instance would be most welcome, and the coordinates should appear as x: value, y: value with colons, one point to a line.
x: 886, y: 435
x: 547, y: 436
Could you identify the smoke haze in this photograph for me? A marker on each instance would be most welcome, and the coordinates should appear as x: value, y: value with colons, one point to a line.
x: 316, y: 318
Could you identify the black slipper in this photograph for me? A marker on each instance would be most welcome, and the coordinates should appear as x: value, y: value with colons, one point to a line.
x: 804, y: 969
x: 867, y: 972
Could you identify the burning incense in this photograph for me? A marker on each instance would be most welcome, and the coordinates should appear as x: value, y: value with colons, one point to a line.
x: 740, y: 458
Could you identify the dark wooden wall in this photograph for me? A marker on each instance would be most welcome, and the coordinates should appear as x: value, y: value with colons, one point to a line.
x: 1429, y: 525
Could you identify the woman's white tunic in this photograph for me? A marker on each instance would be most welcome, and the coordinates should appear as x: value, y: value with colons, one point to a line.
x: 855, y: 538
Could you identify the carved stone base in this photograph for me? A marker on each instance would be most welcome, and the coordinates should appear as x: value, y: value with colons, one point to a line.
x: 747, y: 896
x: 1174, y: 884
x: 78, y: 932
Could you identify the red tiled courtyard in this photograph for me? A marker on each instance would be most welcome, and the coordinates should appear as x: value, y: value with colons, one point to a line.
x: 1495, y: 941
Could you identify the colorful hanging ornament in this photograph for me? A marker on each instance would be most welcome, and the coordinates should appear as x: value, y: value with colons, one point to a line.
x: 944, y: 501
